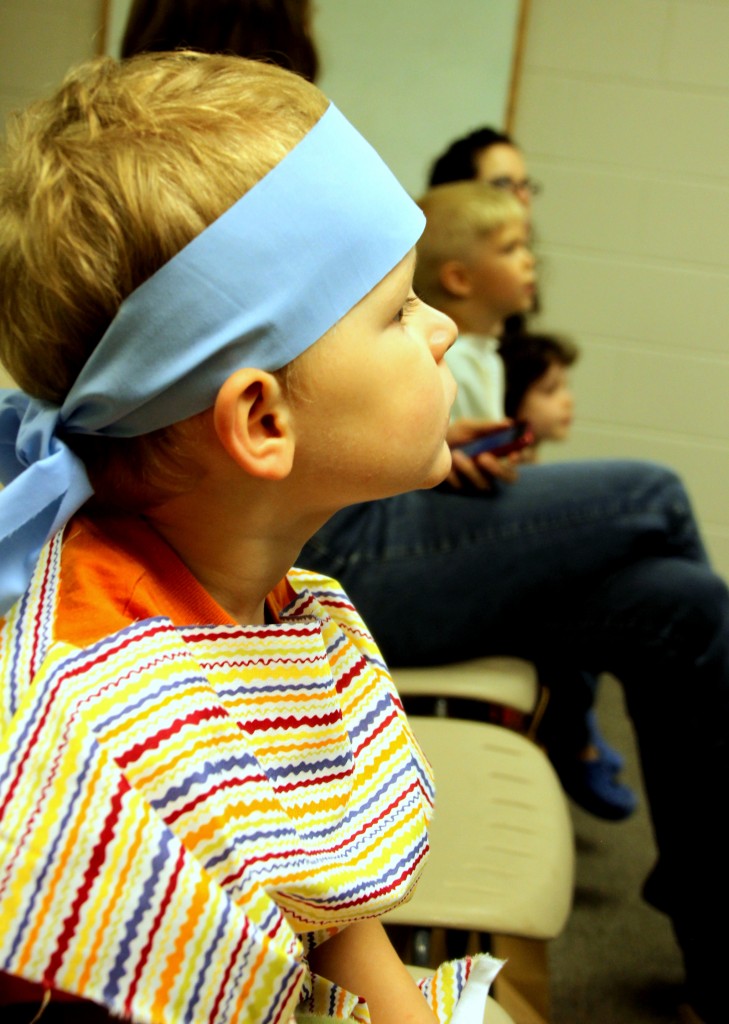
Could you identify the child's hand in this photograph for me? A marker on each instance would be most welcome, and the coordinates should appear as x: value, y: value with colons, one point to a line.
x: 480, y: 470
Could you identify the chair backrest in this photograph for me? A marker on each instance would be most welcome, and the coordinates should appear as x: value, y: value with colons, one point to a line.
x: 509, y: 681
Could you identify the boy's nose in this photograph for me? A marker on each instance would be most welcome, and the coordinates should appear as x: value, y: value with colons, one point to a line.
x: 443, y: 333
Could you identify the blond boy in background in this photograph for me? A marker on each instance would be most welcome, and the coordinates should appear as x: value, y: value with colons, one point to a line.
x: 475, y: 263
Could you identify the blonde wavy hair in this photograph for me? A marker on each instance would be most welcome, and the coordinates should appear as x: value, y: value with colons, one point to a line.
x: 457, y: 215
x: 103, y: 183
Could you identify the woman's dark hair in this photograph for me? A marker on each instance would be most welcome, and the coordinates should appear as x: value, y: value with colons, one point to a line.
x: 458, y: 163
x: 273, y: 30
x: 527, y: 357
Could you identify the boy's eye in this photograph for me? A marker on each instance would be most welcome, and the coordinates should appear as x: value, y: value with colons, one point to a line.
x: 408, y: 306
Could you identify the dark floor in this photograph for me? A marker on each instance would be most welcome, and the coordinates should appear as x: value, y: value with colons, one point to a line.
x: 616, y: 962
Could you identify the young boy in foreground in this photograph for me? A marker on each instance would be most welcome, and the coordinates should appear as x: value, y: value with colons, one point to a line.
x: 208, y: 789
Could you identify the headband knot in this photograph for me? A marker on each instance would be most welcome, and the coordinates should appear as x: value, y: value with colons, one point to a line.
x: 45, y: 483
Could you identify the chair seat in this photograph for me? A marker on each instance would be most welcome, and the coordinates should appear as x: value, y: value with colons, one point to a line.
x: 502, y: 853
x: 509, y: 681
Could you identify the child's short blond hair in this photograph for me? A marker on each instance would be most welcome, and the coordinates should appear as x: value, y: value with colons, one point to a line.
x: 105, y: 181
x: 458, y: 214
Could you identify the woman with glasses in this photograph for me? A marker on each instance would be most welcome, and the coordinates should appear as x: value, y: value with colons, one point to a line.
x: 486, y: 155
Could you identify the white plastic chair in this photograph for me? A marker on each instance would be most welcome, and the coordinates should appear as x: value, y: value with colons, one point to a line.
x: 502, y: 858
x: 505, y: 682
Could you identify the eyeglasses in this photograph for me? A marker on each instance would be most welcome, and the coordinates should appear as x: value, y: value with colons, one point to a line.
x: 509, y: 185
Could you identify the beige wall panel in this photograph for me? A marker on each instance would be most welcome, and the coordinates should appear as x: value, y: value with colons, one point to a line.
x: 625, y: 126
x: 649, y: 304
x: 675, y: 393
x: 609, y: 211
x: 717, y: 544
x: 588, y: 208
x: 412, y: 75
x: 596, y: 382
x: 688, y: 58
x: 589, y: 37
x: 651, y: 392
x: 687, y: 223
x: 39, y: 41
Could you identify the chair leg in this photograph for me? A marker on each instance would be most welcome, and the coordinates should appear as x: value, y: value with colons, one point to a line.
x: 421, y: 940
x: 538, y: 713
x: 522, y: 985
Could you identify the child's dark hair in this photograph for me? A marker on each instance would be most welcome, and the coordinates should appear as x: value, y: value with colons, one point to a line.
x: 527, y: 357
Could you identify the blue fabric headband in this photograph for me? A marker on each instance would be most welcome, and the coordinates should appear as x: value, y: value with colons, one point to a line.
x: 257, y: 288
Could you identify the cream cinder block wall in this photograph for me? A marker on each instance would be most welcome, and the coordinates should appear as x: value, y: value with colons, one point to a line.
x: 623, y: 113
x: 414, y: 74
x: 39, y: 41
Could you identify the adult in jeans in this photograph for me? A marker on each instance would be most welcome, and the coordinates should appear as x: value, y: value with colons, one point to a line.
x: 594, y: 565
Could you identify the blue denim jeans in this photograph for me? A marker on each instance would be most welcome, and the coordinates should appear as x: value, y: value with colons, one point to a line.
x: 579, y: 566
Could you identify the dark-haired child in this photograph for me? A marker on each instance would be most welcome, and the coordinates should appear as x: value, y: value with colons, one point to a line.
x: 536, y: 383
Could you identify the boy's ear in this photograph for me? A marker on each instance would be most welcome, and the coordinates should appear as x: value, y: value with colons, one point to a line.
x: 455, y: 278
x: 253, y: 423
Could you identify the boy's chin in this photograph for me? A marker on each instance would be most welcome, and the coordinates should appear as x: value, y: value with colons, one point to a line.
x: 440, y: 471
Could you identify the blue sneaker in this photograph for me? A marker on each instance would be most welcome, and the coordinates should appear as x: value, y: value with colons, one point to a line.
x: 610, y: 757
x: 594, y: 788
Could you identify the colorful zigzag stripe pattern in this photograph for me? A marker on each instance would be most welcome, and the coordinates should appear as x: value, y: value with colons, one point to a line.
x: 178, y: 805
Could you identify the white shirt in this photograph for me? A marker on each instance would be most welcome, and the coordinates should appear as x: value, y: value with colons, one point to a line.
x: 479, y: 371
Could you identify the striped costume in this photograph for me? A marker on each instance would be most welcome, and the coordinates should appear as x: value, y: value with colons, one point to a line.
x: 186, y: 804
